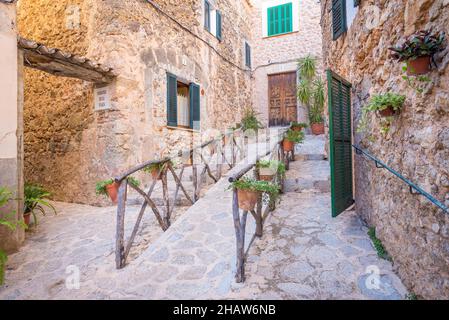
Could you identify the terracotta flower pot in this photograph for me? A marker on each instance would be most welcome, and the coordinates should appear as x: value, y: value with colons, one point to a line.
x: 247, y: 199
x: 297, y: 128
x: 112, y: 190
x: 317, y: 128
x: 27, y: 218
x: 388, y: 112
x: 418, y: 66
x: 155, y: 173
x: 288, y: 145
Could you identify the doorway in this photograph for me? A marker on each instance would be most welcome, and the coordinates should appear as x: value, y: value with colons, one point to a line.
x: 283, y: 103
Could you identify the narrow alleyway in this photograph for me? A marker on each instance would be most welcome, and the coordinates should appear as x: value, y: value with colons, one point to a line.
x: 307, y: 254
x: 304, y: 253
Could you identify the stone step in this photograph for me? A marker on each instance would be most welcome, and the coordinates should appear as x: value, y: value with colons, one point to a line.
x: 305, y: 175
x: 309, y: 157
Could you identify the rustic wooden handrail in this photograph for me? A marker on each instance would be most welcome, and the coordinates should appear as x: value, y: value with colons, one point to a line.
x: 260, y: 213
x: 221, y: 149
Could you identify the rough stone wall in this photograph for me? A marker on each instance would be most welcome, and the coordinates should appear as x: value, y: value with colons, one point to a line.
x: 69, y: 146
x: 280, y: 54
x: 61, y: 140
x: 413, y: 231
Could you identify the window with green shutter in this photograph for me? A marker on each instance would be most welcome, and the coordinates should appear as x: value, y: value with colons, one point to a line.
x: 247, y: 55
x: 195, y: 111
x: 218, y: 25
x: 280, y: 19
x: 172, y: 100
x: 207, y: 15
x: 183, y: 103
x: 338, y: 18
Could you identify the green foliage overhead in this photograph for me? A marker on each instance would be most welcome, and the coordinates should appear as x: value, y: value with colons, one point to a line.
x: 422, y: 43
x: 294, y: 136
x: 250, y: 120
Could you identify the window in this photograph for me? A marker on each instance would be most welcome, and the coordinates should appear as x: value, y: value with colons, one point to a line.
x: 247, y: 55
x: 207, y: 15
x: 212, y: 20
x: 280, y: 19
x: 183, y: 104
x: 343, y: 13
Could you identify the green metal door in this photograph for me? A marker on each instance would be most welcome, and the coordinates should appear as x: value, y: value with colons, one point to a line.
x: 340, y: 133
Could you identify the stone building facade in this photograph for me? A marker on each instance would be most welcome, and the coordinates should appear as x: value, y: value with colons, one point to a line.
x: 277, y: 54
x: 11, y: 144
x: 413, y: 230
x: 69, y: 144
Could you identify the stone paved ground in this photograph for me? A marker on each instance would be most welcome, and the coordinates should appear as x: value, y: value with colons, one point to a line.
x: 304, y: 253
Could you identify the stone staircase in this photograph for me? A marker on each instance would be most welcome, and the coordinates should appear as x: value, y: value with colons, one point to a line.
x: 310, y: 171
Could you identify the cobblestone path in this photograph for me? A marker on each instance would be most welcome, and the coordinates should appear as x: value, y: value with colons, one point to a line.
x: 304, y: 253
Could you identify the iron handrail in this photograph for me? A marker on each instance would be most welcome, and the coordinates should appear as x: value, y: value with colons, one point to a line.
x: 414, y: 189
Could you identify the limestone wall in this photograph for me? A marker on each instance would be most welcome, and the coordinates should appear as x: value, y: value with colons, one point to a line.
x: 413, y: 231
x: 10, y: 124
x: 69, y: 146
x: 279, y: 54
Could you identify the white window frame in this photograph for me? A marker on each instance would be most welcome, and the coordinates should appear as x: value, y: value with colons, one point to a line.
x: 273, y: 3
x: 213, y: 17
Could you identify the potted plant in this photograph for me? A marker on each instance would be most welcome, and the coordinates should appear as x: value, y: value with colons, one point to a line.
x: 248, y: 192
x: 110, y: 188
x: 291, y: 138
x: 311, y: 93
x: 386, y: 105
x: 298, y: 126
x: 250, y: 123
x: 155, y: 168
x: 268, y: 169
x: 418, y: 50
x: 36, y: 199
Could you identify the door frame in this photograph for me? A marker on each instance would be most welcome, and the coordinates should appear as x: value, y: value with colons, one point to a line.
x: 268, y: 90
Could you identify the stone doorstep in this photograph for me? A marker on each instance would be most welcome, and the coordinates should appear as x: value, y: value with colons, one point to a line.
x: 301, y: 185
x: 309, y: 157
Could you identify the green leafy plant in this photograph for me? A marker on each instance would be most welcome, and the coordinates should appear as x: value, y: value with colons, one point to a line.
x: 299, y: 125
x: 294, y: 136
x: 276, y: 166
x: 100, y: 187
x: 420, y: 44
x: 5, y: 197
x: 269, y: 188
x: 36, y: 200
x: 381, y: 252
x: 411, y: 296
x: 415, y: 82
x: 381, y: 102
x: 311, y: 89
x: 250, y: 120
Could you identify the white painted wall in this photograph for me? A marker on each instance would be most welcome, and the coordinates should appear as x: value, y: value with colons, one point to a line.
x: 8, y: 82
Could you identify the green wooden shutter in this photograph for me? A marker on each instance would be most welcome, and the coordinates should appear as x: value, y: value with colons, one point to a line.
x: 247, y: 55
x: 172, y: 100
x: 280, y: 19
x: 207, y: 15
x: 340, y: 135
x: 195, y: 106
x: 219, y: 32
x: 338, y: 18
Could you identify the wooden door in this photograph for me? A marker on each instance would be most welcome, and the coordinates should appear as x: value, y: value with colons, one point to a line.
x: 282, y: 99
x: 340, y: 133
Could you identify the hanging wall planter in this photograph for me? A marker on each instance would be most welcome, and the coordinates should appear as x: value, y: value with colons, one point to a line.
x: 249, y: 190
x: 110, y: 188
x: 418, y: 50
x: 291, y: 138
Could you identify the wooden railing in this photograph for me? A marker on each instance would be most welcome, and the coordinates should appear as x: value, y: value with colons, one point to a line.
x: 262, y: 209
x: 224, y: 151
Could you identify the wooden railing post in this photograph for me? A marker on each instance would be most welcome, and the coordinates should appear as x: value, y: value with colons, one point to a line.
x: 120, y: 232
x: 239, y: 226
x: 258, y: 212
